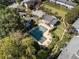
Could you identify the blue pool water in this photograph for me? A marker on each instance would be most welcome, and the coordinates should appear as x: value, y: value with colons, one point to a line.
x: 37, y: 33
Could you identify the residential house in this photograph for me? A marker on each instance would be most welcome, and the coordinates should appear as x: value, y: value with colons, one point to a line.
x: 72, y: 49
x: 31, y: 3
x: 76, y: 25
x: 66, y: 3
x: 52, y: 21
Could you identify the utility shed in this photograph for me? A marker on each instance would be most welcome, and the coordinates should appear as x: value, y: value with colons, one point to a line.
x: 32, y: 4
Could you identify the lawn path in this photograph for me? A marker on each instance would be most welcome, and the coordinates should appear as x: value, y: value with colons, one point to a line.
x: 56, y: 46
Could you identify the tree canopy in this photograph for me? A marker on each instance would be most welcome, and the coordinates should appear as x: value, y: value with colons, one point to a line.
x: 6, y: 2
x: 24, y: 49
x: 71, y: 16
x: 9, y: 21
x: 77, y: 1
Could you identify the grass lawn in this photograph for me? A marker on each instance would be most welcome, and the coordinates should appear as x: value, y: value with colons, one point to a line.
x: 60, y: 10
x: 60, y: 43
x: 60, y: 29
x: 63, y: 38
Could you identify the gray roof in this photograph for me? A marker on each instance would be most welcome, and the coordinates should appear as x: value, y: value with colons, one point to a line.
x: 50, y: 19
x: 76, y: 24
x: 71, y: 49
x: 47, y: 18
x: 66, y: 2
x: 28, y: 0
x: 71, y: 3
x: 63, y: 1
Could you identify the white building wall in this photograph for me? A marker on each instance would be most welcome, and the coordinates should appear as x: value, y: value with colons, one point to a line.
x: 68, y: 6
x: 52, y: 0
x: 64, y: 4
x: 78, y: 30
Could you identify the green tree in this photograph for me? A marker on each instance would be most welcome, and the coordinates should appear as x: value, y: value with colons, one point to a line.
x: 25, y: 49
x: 9, y: 21
x: 6, y: 2
x: 42, y: 54
x: 71, y: 16
x: 77, y: 1
x: 2, y: 6
x: 30, y: 47
x: 8, y: 49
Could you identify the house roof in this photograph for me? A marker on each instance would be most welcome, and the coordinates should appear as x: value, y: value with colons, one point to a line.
x: 54, y: 21
x: 50, y: 19
x: 71, y: 3
x: 28, y: 0
x: 70, y: 52
x: 76, y: 24
x: 66, y: 2
x: 31, y: 1
x: 47, y: 18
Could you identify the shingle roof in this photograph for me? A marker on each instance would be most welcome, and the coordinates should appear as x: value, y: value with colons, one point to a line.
x: 28, y: 0
x: 71, y: 49
x: 54, y: 21
x: 63, y: 1
x: 47, y: 18
x: 66, y: 2
x: 50, y: 19
x: 71, y: 3
x: 76, y: 24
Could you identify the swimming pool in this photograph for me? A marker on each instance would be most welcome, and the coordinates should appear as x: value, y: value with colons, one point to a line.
x: 37, y: 33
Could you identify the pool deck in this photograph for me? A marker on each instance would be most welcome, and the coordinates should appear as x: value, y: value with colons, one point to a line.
x: 47, y: 35
x: 48, y: 40
x: 46, y: 26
